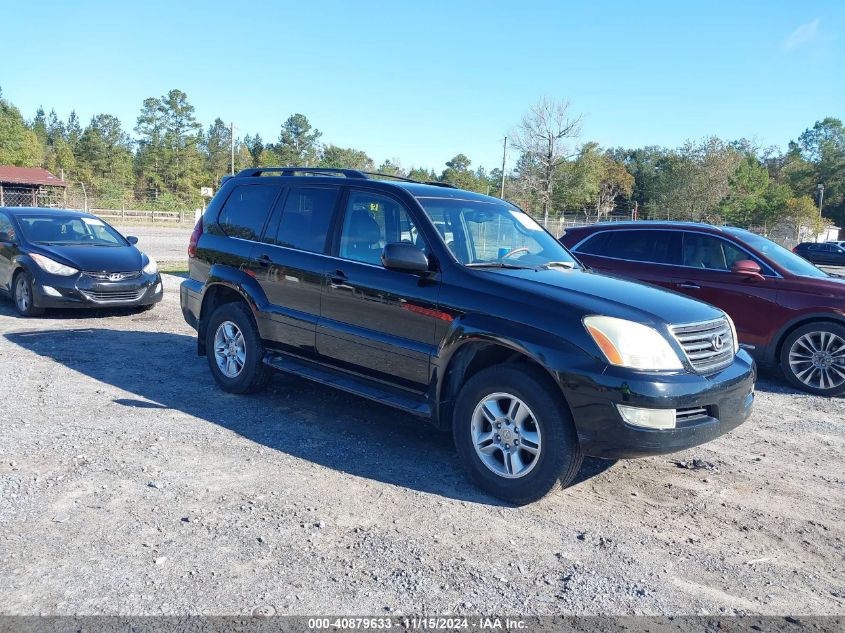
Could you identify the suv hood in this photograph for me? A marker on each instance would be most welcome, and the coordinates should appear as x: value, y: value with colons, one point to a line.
x: 95, y: 258
x: 611, y: 296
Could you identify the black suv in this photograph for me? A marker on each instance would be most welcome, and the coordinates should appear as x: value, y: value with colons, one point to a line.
x: 830, y: 253
x: 460, y: 309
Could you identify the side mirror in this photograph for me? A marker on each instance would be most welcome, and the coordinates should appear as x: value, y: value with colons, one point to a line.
x: 132, y: 239
x: 5, y: 237
x: 404, y: 257
x: 748, y: 268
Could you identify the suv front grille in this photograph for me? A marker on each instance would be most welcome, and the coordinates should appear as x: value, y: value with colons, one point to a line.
x: 709, y: 346
x: 116, y: 276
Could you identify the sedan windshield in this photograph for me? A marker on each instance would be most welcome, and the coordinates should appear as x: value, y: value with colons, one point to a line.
x: 494, y: 235
x: 784, y: 258
x: 68, y: 231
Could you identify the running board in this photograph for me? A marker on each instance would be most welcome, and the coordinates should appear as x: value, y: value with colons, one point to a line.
x: 360, y: 387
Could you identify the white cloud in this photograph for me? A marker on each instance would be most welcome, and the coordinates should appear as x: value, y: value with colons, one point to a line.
x: 804, y: 34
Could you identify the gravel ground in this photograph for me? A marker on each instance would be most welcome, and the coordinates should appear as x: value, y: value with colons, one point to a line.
x: 130, y: 485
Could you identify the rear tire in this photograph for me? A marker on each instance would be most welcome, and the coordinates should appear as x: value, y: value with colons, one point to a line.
x: 812, y: 358
x: 234, y: 350
x: 23, y: 296
x: 514, y: 434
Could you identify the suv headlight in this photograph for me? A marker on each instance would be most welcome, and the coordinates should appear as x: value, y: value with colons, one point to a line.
x: 53, y: 267
x: 631, y: 344
x: 733, y: 333
x: 152, y: 267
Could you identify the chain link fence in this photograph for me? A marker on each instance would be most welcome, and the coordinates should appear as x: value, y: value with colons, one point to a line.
x: 133, y: 207
x: 28, y: 196
x: 152, y: 207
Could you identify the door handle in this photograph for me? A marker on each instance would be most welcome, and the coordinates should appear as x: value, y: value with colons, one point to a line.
x: 688, y: 285
x: 338, y: 279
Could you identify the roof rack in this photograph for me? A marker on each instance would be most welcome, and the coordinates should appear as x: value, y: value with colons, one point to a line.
x: 331, y: 171
x: 290, y: 171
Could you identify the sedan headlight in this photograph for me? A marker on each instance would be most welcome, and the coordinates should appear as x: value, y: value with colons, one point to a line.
x: 152, y: 267
x: 53, y: 267
x: 631, y: 344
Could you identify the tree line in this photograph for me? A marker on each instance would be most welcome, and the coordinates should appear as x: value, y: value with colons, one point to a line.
x: 552, y: 173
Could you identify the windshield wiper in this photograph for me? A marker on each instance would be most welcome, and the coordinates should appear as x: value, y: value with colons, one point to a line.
x: 498, y: 265
x: 565, y: 265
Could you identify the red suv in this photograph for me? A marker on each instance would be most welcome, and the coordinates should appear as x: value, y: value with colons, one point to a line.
x: 787, y: 311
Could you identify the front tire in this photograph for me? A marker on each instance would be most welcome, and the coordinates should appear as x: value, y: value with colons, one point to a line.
x: 812, y: 358
x: 514, y: 434
x: 234, y: 350
x: 23, y: 296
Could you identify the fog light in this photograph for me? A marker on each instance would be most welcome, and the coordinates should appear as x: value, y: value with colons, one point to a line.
x: 49, y: 290
x: 157, y: 288
x: 648, y: 418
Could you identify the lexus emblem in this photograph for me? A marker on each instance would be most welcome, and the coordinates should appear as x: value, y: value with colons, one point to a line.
x: 718, y: 342
x: 115, y: 276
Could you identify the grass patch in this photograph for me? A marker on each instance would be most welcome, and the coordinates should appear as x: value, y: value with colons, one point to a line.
x: 174, y: 268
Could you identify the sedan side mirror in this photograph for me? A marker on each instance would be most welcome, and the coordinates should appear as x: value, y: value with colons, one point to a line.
x: 748, y: 268
x: 404, y: 257
x: 132, y: 239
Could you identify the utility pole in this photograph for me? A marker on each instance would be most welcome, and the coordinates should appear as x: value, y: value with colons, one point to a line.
x: 232, y: 139
x: 504, y: 156
x: 820, y: 190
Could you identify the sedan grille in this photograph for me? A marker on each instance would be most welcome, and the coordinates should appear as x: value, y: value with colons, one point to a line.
x: 105, y: 296
x: 115, y: 276
x: 709, y: 346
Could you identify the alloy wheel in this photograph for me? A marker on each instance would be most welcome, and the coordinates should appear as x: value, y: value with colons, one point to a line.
x: 229, y: 349
x: 818, y: 360
x: 506, y: 435
x: 23, y: 296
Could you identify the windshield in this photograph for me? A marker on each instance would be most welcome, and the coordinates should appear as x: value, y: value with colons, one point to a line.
x: 784, y: 258
x: 68, y: 231
x: 494, y: 234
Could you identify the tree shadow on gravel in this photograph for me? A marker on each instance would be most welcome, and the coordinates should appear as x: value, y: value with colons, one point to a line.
x: 294, y: 415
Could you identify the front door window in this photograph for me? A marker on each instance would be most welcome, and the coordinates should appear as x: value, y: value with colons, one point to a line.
x: 372, y: 220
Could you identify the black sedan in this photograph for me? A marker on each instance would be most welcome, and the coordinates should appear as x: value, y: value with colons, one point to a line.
x: 52, y: 258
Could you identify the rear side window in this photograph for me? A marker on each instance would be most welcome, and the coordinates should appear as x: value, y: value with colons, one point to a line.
x: 656, y: 247
x: 246, y: 210
x: 306, y: 217
x: 595, y: 245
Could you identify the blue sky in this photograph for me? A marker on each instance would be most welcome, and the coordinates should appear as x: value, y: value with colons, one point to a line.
x: 424, y: 81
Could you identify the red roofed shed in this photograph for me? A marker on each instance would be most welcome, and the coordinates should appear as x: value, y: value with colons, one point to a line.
x: 29, y: 186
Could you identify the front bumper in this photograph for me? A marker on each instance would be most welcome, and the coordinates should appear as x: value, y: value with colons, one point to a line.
x: 83, y: 291
x: 727, y: 398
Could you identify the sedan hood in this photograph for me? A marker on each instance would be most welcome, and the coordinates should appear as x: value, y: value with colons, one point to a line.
x: 611, y: 296
x: 96, y: 258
